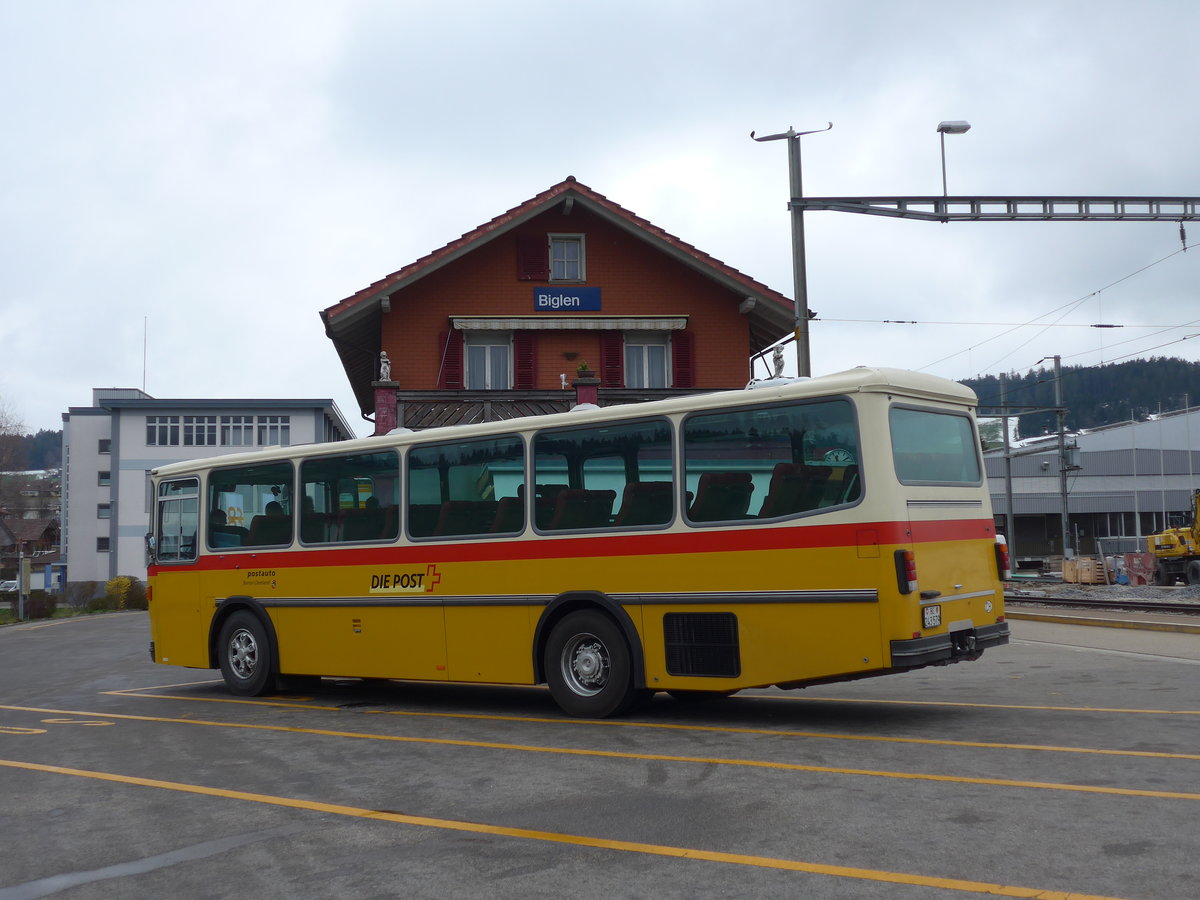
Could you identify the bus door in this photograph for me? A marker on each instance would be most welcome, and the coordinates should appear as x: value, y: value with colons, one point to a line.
x: 177, y: 635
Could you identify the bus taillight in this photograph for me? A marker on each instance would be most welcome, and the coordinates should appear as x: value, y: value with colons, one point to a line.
x: 1003, y: 564
x: 906, y: 571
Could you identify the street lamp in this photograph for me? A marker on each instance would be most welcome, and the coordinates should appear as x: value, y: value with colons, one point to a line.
x: 944, y: 128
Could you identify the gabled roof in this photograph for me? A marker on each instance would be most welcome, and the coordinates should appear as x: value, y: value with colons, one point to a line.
x: 13, y: 531
x: 353, y: 323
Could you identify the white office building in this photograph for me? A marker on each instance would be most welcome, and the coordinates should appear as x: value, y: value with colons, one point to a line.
x: 110, y: 447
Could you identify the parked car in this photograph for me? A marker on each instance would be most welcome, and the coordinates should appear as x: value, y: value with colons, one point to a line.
x: 6, y: 586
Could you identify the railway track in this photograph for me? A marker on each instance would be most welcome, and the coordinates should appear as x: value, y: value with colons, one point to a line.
x: 1179, y: 607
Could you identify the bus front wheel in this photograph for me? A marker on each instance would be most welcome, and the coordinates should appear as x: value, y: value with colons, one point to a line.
x: 588, y: 666
x: 246, y: 655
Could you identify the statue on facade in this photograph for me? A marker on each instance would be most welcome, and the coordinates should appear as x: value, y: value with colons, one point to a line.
x: 385, y: 366
x: 777, y: 361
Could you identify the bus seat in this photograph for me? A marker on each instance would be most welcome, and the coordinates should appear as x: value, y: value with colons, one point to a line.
x: 646, y: 503
x: 266, y: 530
x: 423, y: 518
x: 544, y: 497
x: 226, y: 535
x: 581, y: 508
x: 510, y: 516
x: 721, y: 495
x: 844, y: 489
x: 316, y: 528
x: 362, y: 524
x: 391, y: 522
x: 795, y: 487
x: 466, y: 517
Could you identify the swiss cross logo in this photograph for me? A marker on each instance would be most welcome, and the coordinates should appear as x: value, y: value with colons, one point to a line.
x: 432, y: 577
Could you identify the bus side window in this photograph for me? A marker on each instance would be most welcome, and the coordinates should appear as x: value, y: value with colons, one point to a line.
x: 783, y: 460
x: 257, y: 503
x: 351, y: 497
x: 466, y: 489
x: 617, y: 476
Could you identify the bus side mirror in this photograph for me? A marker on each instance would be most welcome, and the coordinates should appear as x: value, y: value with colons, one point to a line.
x: 150, y: 547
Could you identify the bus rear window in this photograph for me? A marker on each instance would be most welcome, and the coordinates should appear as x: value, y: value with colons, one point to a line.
x: 933, y: 447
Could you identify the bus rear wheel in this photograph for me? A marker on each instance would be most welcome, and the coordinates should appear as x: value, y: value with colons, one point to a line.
x: 246, y: 656
x: 588, y: 666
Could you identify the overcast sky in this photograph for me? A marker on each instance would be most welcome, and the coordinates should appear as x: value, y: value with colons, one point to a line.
x: 212, y: 174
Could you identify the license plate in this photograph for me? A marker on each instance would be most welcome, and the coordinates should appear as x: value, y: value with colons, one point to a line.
x: 932, y: 616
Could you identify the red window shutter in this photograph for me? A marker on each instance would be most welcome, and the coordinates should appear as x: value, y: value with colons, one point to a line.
x: 533, y: 257
x: 612, y: 359
x: 450, y: 374
x: 683, y: 359
x: 524, y: 360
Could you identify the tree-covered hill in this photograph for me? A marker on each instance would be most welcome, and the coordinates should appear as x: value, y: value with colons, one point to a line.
x: 1095, y: 395
x: 28, y: 452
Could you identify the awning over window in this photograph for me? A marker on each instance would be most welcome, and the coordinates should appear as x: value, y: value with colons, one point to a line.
x: 569, y: 323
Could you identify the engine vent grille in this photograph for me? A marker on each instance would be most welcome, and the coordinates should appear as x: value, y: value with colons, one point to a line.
x: 702, y: 644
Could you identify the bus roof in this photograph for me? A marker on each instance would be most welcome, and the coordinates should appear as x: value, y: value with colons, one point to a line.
x: 862, y: 379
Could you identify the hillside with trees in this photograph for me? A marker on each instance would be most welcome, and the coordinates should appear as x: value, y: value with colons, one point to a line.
x: 30, y: 452
x: 1094, y: 395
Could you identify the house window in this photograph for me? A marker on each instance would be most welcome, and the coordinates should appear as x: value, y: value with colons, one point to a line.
x: 101, y: 545
x: 274, y: 430
x: 646, y: 363
x: 104, y: 445
x: 199, y: 431
x: 237, y: 431
x: 566, y: 257
x: 162, y: 431
x: 103, y: 479
x: 103, y: 510
x: 488, y: 356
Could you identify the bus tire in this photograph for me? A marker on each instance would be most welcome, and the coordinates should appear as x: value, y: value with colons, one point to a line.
x: 1193, y: 572
x: 246, y: 655
x: 588, y: 666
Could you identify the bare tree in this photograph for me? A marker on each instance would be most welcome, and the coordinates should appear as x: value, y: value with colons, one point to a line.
x: 11, y: 452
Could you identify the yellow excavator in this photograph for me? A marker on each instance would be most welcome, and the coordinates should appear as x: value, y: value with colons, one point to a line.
x: 1177, y: 550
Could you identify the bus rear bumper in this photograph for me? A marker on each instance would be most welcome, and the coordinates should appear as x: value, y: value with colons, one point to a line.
x: 944, y: 649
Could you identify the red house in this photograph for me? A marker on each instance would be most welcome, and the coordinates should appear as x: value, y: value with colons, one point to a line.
x: 496, y: 323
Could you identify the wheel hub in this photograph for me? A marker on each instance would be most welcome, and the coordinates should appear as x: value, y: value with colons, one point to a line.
x: 586, y: 665
x: 243, y: 654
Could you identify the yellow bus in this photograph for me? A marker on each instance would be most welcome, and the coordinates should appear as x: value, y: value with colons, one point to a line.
x: 801, y: 532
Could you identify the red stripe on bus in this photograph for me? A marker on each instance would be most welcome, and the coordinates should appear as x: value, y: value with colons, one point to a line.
x: 717, y: 540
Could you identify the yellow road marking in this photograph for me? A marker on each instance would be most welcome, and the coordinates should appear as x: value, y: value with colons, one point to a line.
x: 956, y: 704
x: 1086, y: 709
x: 767, y: 862
x: 654, y: 757
x: 672, y: 726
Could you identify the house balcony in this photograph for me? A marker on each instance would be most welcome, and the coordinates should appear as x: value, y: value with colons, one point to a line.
x: 419, y: 410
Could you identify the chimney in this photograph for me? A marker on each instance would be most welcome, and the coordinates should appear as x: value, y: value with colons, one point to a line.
x: 587, y: 387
